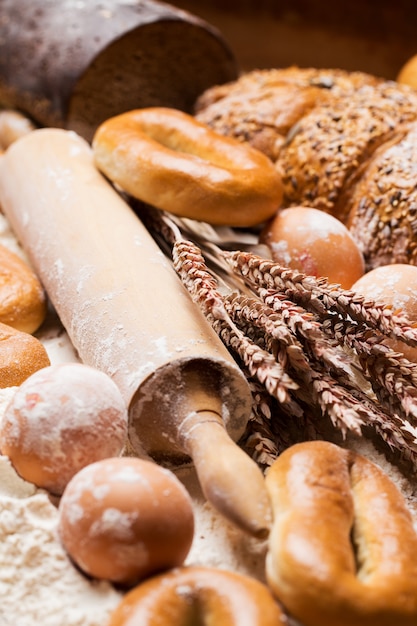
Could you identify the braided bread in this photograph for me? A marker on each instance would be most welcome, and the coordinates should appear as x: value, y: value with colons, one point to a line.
x: 343, y: 143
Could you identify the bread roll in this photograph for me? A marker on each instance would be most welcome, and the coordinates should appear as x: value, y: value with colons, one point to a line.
x: 23, y: 302
x: 21, y: 355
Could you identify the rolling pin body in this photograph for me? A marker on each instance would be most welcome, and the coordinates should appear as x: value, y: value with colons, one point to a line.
x: 124, y: 307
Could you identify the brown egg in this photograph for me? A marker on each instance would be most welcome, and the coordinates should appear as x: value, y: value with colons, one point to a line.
x: 315, y: 243
x: 123, y: 519
x: 60, y: 419
x: 395, y: 285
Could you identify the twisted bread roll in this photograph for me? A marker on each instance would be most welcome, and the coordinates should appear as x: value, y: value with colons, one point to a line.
x: 326, y: 130
x: 191, y: 595
x: 342, y: 549
x: 263, y: 105
x: 383, y: 205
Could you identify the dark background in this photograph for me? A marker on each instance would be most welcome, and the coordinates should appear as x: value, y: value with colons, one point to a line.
x: 374, y: 36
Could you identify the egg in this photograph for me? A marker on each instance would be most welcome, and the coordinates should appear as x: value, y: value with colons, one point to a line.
x: 315, y: 243
x: 60, y: 419
x: 124, y: 519
x: 395, y: 285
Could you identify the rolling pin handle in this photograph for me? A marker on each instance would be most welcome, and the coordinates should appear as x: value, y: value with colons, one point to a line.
x: 221, y: 465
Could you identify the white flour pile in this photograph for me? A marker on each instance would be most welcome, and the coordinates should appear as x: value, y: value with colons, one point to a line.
x: 38, y: 584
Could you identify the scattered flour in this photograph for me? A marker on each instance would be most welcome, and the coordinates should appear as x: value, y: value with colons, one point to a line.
x: 38, y: 583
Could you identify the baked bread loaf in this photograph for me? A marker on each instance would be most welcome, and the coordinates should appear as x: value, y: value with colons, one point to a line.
x: 13, y: 125
x: 262, y: 106
x: 74, y: 64
x: 331, y: 134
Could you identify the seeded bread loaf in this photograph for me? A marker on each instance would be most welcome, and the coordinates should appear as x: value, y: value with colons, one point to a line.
x: 383, y: 205
x: 262, y: 106
x: 343, y: 142
x: 74, y: 64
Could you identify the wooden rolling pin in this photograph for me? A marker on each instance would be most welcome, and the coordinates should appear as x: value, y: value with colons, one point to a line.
x: 74, y: 64
x: 128, y: 315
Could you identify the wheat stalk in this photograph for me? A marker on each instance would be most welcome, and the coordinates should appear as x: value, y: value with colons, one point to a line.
x: 306, y: 347
x: 320, y: 297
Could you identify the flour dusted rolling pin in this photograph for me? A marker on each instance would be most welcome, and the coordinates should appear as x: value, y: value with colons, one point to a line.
x: 74, y: 64
x: 128, y: 315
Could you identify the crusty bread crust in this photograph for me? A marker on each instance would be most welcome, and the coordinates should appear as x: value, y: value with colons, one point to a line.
x: 170, y: 160
x: 342, y: 549
x: 191, y: 595
x: 22, y: 298
x: 21, y: 355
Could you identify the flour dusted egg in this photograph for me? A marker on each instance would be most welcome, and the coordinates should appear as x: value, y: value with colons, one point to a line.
x: 124, y: 519
x: 60, y: 419
x: 315, y: 243
x: 395, y: 285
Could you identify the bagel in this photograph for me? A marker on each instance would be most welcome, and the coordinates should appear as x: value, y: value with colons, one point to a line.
x: 198, y: 595
x: 21, y: 355
x: 322, y: 497
x: 23, y: 302
x: 167, y: 159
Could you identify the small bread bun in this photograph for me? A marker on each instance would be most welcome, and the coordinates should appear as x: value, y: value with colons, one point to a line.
x: 13, y: 125
x: 199, y: 595
x: 394, y: 285
x: 21, y: 355
x: 62, y: 418
x: 173, y: 162
x: 123, y: 519
x: 22, y: 297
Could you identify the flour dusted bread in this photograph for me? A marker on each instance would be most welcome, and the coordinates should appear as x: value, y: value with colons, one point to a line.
x: 62, y: 418
x: 124, y: 519
x: 74, y: 64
